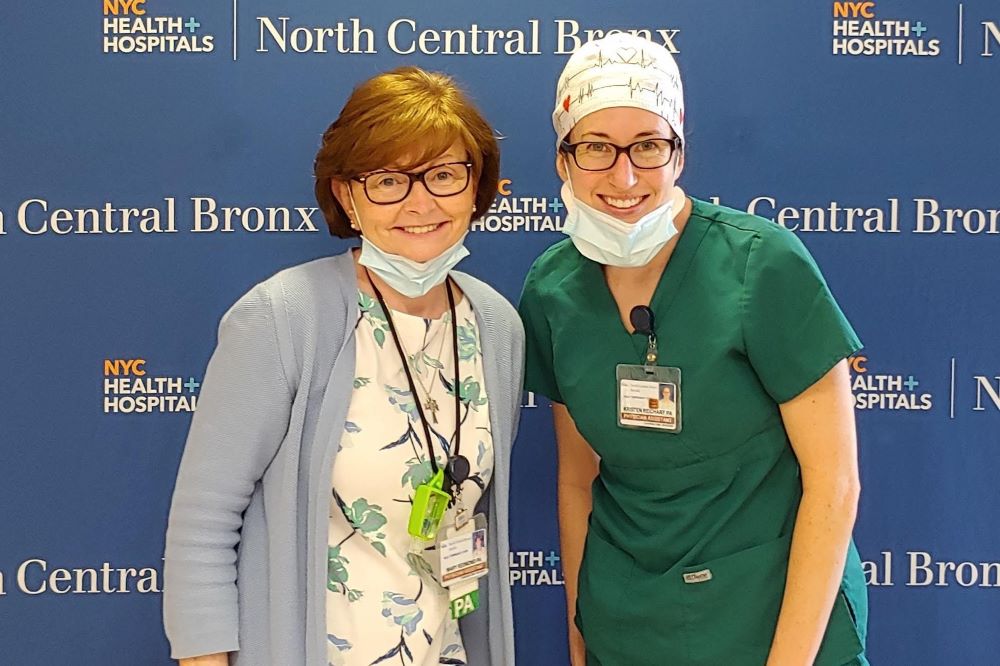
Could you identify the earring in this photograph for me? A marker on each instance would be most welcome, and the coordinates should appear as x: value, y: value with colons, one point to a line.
x: 473, y: 208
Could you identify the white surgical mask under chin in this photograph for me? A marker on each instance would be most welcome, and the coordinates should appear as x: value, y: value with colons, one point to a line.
x: 609, y: 241
x: 410, y: 278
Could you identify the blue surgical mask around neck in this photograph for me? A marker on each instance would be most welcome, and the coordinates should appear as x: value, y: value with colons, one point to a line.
x: 609, y: 241
x: 410, y: 278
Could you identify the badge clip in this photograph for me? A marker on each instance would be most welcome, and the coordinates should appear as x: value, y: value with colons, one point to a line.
x: 643, y: 321
x: 651, y: 354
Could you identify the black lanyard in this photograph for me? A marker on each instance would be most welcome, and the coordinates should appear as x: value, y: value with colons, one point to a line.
x: 457, y: 467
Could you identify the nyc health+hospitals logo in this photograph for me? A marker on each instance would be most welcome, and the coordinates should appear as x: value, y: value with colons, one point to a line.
x: 534, y: 568
x: 130, y: 26
x: 860, y: 29
x: 966, y: 389
x: 129, y: 388
x: 515, y: 212
x: 877, y: 390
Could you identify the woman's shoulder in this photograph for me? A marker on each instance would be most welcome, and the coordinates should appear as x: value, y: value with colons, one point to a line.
x: 500, y: 324
x: 759, y: 233
x: 734, y: 219
x: 767, y: 250
x: 485, y: 300
x: 557, y: 260
x: 314, y: 280
x: 551, y: 268
x: 306, y: 297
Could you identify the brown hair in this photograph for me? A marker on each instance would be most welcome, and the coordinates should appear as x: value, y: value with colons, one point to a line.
x: 393, y: 115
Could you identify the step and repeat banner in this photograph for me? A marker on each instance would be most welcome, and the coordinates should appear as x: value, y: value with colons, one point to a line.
x: 155, y: 163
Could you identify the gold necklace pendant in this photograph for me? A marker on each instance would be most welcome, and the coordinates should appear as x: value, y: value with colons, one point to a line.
x: 431, y: 405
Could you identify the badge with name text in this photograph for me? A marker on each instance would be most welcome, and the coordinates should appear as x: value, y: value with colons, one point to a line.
x: 649, y: 397
x: 463, y: 553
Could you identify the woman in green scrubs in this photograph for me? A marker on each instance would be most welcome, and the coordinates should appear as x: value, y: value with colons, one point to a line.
x: 696, y: 361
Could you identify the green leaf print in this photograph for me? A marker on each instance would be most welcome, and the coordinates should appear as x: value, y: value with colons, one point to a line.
x: 402, y: 611
x: 360, y: 382
x: 379, y: 336
x: 369, y: 305
x: 432, y: 362
x: 469, y: 391
x: 337, y: 575
x: 335, y: 570
x: 467, y: 344
x: 367, y: 518
x: 419, y: 566
x: 379, y: 546
x: 403, y: 399
x: 417, y: 473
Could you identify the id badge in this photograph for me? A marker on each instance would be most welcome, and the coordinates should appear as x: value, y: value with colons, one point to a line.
x: 463, y: 552
x: 464, y: 561
x: 429, y: 505
x: 649, y: 397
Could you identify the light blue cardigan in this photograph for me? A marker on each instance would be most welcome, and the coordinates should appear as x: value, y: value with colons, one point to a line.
x: 246, y: 549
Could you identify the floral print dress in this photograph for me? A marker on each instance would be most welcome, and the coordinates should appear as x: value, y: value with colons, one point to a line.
x: 383, y: 606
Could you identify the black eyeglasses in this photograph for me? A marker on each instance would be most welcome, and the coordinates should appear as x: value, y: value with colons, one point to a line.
x: 442, y: 180
x: 602, y: 155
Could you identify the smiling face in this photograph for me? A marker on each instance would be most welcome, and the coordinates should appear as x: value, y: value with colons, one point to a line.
x: 623, y: 191
x: 421, y: 226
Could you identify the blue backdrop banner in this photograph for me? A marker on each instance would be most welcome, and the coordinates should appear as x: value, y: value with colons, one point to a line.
x: 156, y: 162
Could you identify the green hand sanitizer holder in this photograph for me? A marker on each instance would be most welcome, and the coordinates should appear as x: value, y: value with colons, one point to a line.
x: 429, y: 505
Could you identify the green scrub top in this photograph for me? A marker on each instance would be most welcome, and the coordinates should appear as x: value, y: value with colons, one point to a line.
x: 744, y: 312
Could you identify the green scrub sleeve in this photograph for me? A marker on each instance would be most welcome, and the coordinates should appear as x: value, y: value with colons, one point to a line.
x: 793, y: 329
x: 539, y: 375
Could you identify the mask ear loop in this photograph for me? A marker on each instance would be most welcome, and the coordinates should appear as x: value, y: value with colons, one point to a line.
x: 569, y: 178
x: 356, y: 220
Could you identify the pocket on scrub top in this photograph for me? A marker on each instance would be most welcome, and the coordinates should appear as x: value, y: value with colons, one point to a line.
x: 732, y: 605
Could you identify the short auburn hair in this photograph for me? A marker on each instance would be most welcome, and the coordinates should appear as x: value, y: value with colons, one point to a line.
x: 407, y: 113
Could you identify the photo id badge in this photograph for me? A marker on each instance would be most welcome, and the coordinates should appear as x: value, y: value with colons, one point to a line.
x: 463, y: 562
x: 463, y: 552
x: 649, y: 397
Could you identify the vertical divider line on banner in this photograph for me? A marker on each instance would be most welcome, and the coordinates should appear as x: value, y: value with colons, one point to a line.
x: 234, y: 28
x: 960, y: 26
x: 952, y: 411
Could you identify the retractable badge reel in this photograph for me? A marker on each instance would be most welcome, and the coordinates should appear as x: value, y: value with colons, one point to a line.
x: 649, y: 395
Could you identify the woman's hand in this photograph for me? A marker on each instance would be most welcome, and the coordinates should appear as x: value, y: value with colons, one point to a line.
x: 218, y: 659
x: 577, y: 648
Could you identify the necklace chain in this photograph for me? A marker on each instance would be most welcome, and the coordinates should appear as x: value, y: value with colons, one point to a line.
x: 454, y: 483
x: 430, y: 404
